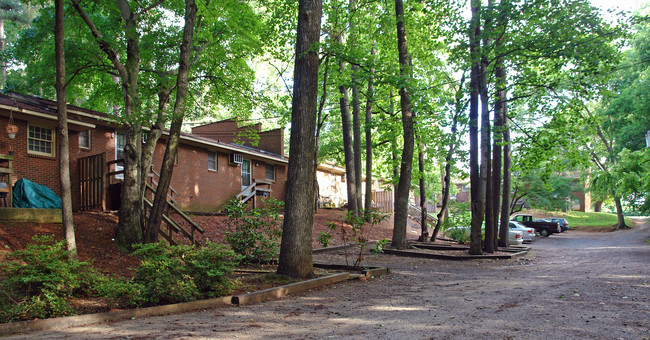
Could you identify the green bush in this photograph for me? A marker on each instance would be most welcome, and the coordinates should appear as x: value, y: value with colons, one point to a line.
x: 459, y: 234
x: 171, y: 274
x: 324, y: 238
x: 37, y: 281
x: 254, y: 234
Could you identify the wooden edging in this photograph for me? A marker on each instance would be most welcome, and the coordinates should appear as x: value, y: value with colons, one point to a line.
x: 80, y: 320
x: 245, y: 299
x: 278, y: 292
x: 409, y: 253
x: 324, y: 250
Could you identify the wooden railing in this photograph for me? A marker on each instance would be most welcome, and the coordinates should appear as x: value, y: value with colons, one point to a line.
x: 255, y: 189
x: 112, y: 173
x: 172, y: 226
x: 415, y: 213
x: 172, y: 194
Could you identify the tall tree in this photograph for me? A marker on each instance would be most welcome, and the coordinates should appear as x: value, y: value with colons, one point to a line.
x: 477, y: 190
x: 368, y: 133
x: 182, y: 84
x: 62, y: 131
x: 424, y: 231
x: 129, y: 230
x: 348, y: 148
x: 404, y: 186
x: 295, y: 249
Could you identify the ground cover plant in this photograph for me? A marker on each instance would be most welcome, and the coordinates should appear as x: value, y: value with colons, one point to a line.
x: 43, y: 281
x: 40, y: 280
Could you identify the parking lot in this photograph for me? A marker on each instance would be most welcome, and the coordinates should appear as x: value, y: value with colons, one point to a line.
x: 571, y: 285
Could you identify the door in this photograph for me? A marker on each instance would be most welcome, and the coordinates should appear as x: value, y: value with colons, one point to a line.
x: 245, y: 173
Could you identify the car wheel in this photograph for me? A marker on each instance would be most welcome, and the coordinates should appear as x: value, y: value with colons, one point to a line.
x: 544, y: 233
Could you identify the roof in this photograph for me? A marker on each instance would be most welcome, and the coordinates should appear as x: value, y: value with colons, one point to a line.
x: 82, y: 119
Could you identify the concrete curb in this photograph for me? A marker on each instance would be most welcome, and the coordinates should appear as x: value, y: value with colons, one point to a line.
x: 278, y: 292
x: 80, y: 320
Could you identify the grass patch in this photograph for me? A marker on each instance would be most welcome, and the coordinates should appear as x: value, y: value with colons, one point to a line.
x: 590, y: 220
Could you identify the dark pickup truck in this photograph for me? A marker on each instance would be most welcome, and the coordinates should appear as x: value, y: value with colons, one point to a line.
x: 543, y: 228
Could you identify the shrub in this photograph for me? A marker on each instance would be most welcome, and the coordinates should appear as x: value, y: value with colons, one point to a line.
x: 254, y: 234
x: 171, y: 274
x: 37, y: 281
x: 324, y: 238
x: 459, y: 234
x: 357, y: 236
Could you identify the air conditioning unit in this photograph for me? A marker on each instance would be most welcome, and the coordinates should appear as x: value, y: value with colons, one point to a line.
x: 236, y: 158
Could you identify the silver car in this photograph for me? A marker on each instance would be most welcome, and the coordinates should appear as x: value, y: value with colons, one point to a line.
x: 528, y: 233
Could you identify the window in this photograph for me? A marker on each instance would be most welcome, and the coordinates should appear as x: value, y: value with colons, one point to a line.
x: 84, y: 139
x: 120, y: 143
x: 40, y: 141
x: 270, y: 172
x: 212, y: 160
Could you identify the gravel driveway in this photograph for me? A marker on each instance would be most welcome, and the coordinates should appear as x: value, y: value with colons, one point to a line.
x: 574, y: 285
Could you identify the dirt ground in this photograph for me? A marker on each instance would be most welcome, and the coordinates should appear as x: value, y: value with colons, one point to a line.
x: 95, y: 231
x: 574, y: 285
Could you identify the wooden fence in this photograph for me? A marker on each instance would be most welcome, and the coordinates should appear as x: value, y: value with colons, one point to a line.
x: 383, y: 200
x: 91, y: 181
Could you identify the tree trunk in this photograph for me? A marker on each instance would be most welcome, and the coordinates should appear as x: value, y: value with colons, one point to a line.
x: 62, y: 131
x: 505, y: 203
x: 320, y: 121
x: 348, y: 148
x: 394, y: 150
x: 619, y: 212
x: 182, y: 84
x: 477, y: 190
x: 424, y: 234
x: 404, y: 185
x: 356, y: 111
x: 499, y: 116
x: 155, y: 131
x: 447, y: 177
x: 129, y: 228
x: 486, y: 146
x: 356, y: 138
x: 368, y: 128
x: 295, y: 249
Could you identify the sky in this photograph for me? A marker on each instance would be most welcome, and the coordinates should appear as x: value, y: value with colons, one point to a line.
x: 627, y: 5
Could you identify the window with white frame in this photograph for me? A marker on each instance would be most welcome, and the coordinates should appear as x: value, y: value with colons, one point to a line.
x: 212, y: 160
x: 270, y: 172
x: 40, y: 141
x: 120, y: 144
x: 84, y: 139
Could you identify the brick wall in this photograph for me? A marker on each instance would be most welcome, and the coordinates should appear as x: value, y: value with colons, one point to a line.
x: 200, y: 189
x: 204, y: 190
x: 227, y: 131
x: 44, y: 170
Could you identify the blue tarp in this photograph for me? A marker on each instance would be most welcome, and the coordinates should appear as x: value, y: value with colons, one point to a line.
x: 28, y: 194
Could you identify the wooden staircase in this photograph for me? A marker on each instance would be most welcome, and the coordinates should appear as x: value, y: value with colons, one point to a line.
x: 187, y: 230
x: 415, y: 213
x: 257, y: 188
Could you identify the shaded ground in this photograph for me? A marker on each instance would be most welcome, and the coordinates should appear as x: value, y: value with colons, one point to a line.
x: 95, y: 231
x: 574, y: 285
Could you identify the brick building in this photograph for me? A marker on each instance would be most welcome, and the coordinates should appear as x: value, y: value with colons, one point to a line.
x: 210, y: 168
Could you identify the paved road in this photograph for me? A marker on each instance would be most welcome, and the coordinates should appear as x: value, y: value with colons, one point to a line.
x: 573, y: 285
